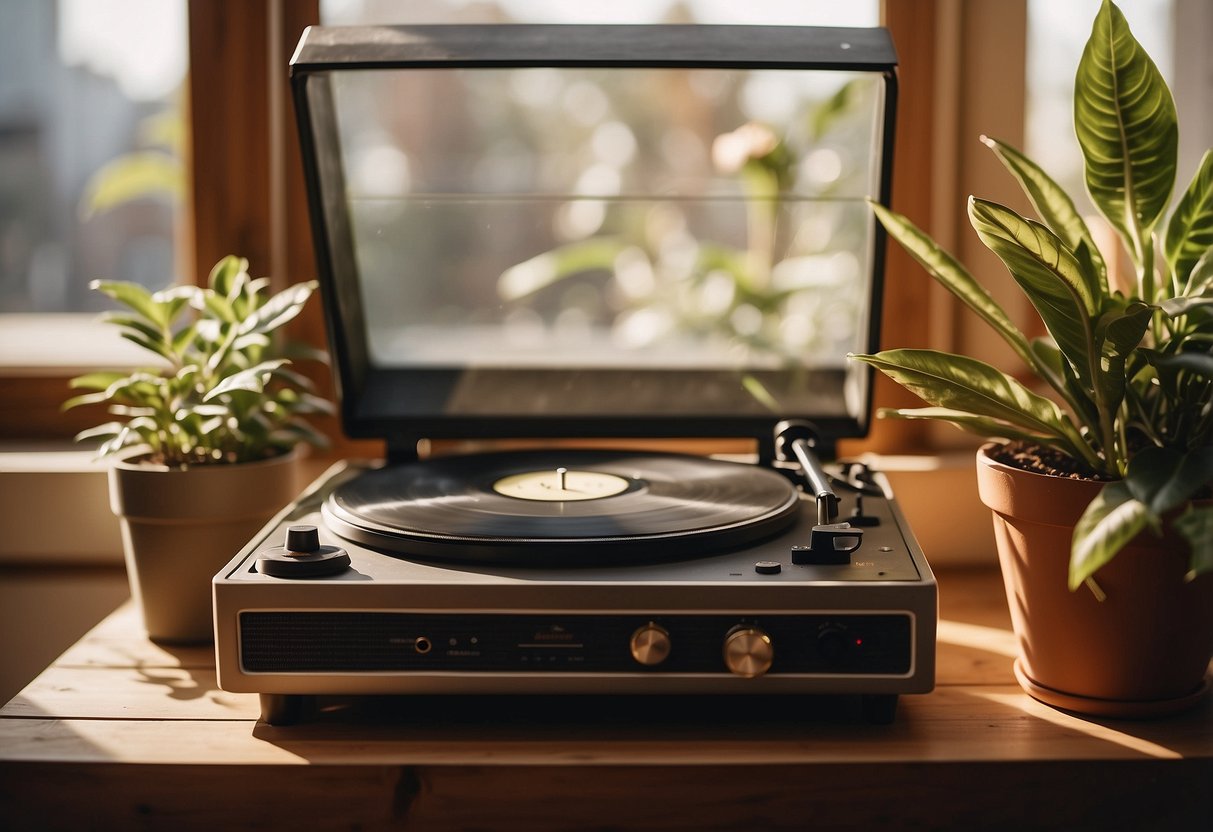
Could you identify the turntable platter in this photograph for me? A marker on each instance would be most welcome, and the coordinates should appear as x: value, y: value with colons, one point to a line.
x: 572, y: 507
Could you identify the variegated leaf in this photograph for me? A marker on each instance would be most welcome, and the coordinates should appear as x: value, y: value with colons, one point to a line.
x: 1125, y: 119
x: 1053, y: 205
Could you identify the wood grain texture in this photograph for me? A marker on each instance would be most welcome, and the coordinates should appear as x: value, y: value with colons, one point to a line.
x: 954, y: 724
x: 229, y: 132
x: 140, y: 736
x: 33, y: 408
x: 906, y: 305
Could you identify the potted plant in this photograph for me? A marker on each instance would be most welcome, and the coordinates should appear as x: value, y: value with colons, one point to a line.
x: 1105, y: 482
x: 205, y: 450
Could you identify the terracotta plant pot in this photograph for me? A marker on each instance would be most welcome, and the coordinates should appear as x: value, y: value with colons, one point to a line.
x: 1142, y: 651
x: 180, y: 526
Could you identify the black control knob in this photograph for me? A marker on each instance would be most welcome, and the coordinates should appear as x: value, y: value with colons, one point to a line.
x: 302, y: 539
x: 748, y: 652
x: 302, y: 556
x: 832, y: 644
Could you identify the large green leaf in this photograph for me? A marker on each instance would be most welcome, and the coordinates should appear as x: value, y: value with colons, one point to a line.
x: 1200, y: 279
x: 134, y: 296
x: 137, y: 324
x: 183, y: 338
x: 1118, y: 333
x: 1052, y: 204
x: 951, y: 274
x: 223, y: 275
x: 1196, y: 524
x: 176, y: 298
x: 1200, y: 363
x: 154, y: 345
x: 252, y: 380
x: 96, y: 397
x: 120, y: 440
x: 981, y: 425
x: 1125, y: 120
x: 1158, y: 481
x: 106, y: 431
x: 219, y: 307
x: 96, y: 381
x: 1111, y: 520
x: 1178, y: 307
x: 961, y: 383
x: 1164, y: 478
x: 1190, y: 230
x: 1049, y: 274
x: 278, y: 310
x: 1052, y: 366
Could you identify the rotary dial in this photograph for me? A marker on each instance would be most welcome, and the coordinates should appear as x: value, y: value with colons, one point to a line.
x: 650, y: 644
x: 748, y: 652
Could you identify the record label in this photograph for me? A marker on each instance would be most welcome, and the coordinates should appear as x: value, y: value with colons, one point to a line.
x: 561, y: 485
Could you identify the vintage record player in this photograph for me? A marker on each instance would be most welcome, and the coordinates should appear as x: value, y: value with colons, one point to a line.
x: 572, y: 233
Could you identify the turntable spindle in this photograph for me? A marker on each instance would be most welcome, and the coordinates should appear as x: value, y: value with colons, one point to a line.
x: 562, y: 478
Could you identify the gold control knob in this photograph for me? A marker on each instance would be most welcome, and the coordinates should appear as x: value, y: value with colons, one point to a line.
x: 748, y: 652
x: 650, y: 644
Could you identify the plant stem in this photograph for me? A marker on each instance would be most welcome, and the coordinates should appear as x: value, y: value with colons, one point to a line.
x: 1114, y: 462
x: 1145, y: 266
x: 1096, y: 590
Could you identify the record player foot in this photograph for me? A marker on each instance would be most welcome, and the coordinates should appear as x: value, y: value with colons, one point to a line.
x: 879, y: 708
x: 285, y: 708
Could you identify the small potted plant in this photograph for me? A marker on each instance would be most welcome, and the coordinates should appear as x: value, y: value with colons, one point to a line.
x: 205, y: 450
x: 1101, y: 491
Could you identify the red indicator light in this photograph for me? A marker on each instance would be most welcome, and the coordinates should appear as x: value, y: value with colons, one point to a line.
x: 858, y: 642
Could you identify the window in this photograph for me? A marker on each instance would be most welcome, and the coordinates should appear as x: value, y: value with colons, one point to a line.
x: 243, y: 149
x: 92, y: 147
x: 1057, y: 33
x: 92, y: 183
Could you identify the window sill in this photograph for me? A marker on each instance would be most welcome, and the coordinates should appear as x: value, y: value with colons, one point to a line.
x: 55, y: 507
x: 59, y: 345
x: 938, y: 495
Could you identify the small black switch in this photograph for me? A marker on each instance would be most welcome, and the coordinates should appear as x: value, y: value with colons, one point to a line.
x: 768, y: 567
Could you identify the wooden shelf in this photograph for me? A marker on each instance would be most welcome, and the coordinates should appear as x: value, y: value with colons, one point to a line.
x: 140, y: 735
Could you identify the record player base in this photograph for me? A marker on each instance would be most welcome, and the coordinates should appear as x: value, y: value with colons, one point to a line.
x: 119, y: 733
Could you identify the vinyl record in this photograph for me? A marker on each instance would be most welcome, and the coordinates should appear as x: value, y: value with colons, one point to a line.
x: 566, y: 507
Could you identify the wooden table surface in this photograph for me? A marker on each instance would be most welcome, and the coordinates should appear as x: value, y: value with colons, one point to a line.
x: 121, y: 733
